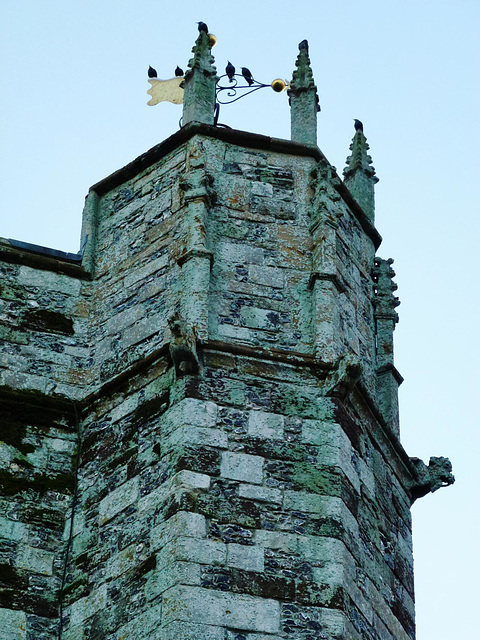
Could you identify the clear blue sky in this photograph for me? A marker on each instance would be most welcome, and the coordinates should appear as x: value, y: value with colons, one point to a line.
x: 73, y: 110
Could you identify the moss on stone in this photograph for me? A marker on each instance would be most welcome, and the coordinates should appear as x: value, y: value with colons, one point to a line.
x: 22, y: 461
x: 199, y: 459
x: 275, y: 449
x: 11, y: 483
x: 45, y: 517
x: 184, y: 501
x: 151, y: 408
x: 229, y: 509
x: 276, y: 587
x: 20, y: 408
x: 257, y: 584
x: 327, y: 526
x: 11, y: 291
x: 78, y: 586
x: 48, y: 321
x: 316, y: 479
x: 12, y: 577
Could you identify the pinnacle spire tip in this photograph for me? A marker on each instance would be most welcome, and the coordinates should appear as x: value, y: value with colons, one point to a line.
x: 359, y: 173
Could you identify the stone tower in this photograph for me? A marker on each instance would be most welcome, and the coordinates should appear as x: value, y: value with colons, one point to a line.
x: 199, y: 434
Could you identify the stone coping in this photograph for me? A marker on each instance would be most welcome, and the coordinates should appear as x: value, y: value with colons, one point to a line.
x: 43, y: 258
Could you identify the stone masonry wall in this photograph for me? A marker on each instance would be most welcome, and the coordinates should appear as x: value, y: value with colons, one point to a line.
x: 259, y: 496
x: 37, y: 452
x: 136, y: 273
x: 45, y: 362
x: 43, y: 329
x: 240, y: 505
x: 260, y: 279
x: 258, y: 232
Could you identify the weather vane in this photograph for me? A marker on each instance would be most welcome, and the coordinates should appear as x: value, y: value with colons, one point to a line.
x: 239, y: 85
x: 232, y: 89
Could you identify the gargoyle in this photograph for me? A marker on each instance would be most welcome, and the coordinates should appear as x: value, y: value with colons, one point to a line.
x: 347, y: 373
x: 183, y: 349
x: 438, y: 474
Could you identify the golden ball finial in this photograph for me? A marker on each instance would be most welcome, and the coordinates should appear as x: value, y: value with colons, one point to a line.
x: 279, y: 85
x: 212, y: 39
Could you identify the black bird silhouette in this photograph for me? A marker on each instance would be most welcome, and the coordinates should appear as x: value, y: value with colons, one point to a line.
x: 178, y: 72
x: 358, y: 125
x: 151, y: 72
x: 230, y: 71
x: 202, y: 27
x: 247, y: 74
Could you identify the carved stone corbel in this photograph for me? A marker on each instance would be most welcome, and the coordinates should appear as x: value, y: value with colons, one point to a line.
x: 183, y: 347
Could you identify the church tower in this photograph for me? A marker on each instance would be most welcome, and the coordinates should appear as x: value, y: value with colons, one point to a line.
x: 200, y: 433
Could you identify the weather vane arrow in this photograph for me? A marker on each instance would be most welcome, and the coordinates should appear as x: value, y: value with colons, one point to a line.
x: 165, y: 91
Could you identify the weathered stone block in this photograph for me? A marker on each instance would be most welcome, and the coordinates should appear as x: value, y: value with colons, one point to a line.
x: 257, y: 318
x: 34, y: 559
x: 267, y: 276
x: 118, y: 500
x: 13, y: 625
x: 191, y: 525
x: 192, y: 435
x: 187, y: 631
x: 266, y: 425
x: 241, y: 466
x: 230, y: 252
x: 245, y: 557
x: 304, y: 501
x: 11, y: 529
x: 73, y: 633
x: 145, y: 626
x: 190, y: 480
x: 242, y: 334
x: 262, y: 189
x: 124, y: 408
x: 190, y: 411
x: 144, y: 272
x: 174, y: 573
x: 196, y: 550
x: 124, y: 319
x: 261, y: 494
x: 31, y: 277
x: 204, y: 606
